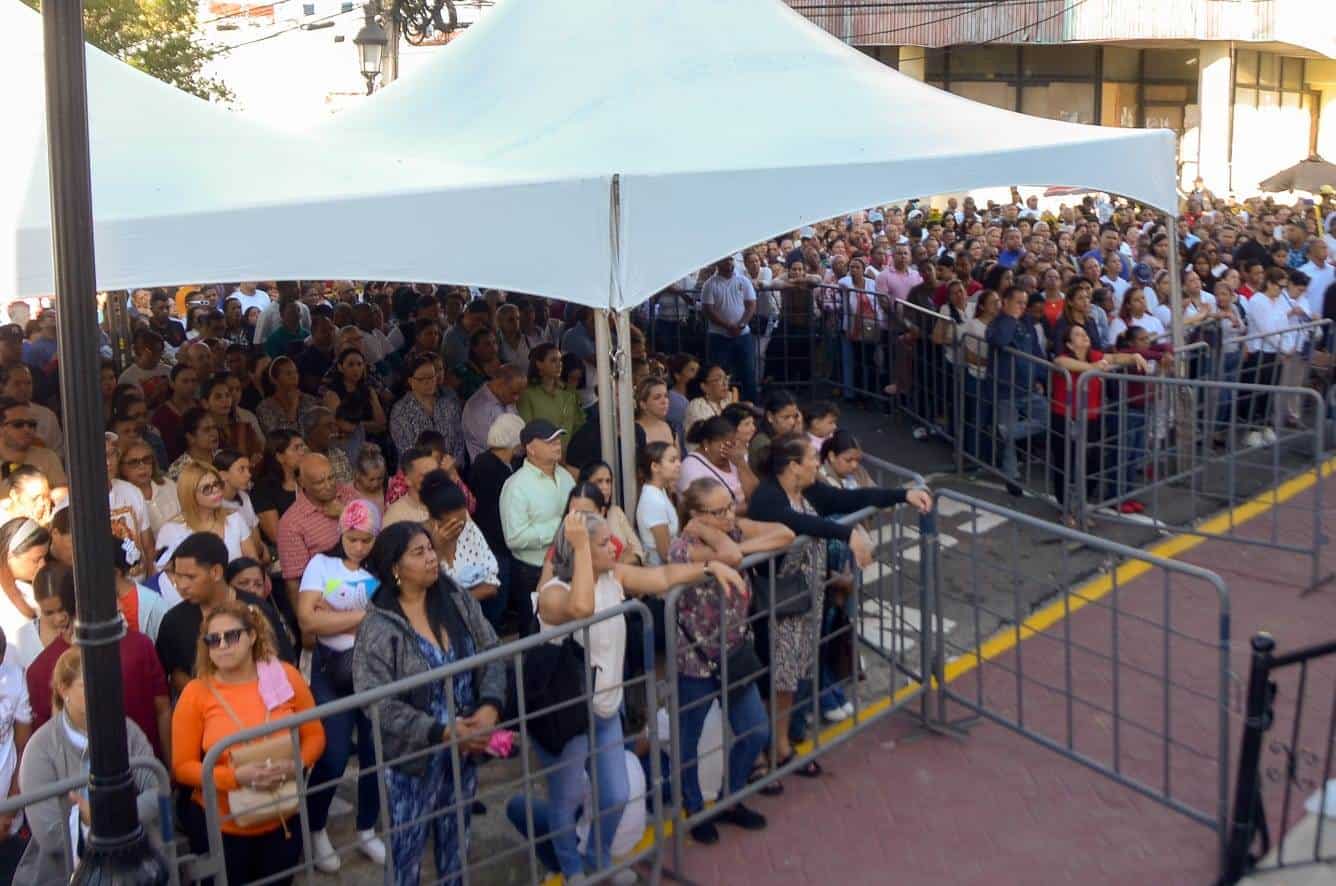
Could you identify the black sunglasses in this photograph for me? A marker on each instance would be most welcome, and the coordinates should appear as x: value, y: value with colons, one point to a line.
x: 226, y: 638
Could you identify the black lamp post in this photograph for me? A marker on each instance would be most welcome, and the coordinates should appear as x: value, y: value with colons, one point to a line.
x: 117, y: 849
x: 371, y: 41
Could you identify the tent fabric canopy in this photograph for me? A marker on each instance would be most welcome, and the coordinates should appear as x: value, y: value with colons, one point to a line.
x: 1309, y: 175
x: 621, y: 139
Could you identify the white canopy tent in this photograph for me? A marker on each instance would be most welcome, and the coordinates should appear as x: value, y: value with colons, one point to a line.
x: 725, y: 123
x: 629, y: 143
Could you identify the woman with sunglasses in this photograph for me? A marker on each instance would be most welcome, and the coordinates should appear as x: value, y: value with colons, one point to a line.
x: 240, y: 683
x: 713, y: 531
x: 200, y: 492
x: 587, y: 579
x: 139, y: 467
x: 420, y: 620
x: 57, y: 750
x: 335, y: 593
x: 715, y: 394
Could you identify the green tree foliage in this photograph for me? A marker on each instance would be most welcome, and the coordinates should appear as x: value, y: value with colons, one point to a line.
x: 157, y: 37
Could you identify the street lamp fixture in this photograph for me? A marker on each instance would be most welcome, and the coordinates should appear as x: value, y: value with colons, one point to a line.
x: 371, y: 41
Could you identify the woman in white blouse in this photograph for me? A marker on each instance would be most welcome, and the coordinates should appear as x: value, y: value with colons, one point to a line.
x: 460, y: 545
x: 1135, y: 313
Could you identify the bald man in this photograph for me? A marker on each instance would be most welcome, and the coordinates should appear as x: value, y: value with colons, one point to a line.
x: 311, y: 525
x: 494, y: 399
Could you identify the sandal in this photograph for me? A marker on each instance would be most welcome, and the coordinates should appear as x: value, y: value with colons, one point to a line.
x: 774, y: 789
x: 810, y: 769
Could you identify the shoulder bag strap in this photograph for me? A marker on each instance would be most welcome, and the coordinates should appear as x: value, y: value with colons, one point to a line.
x: 713, y: 470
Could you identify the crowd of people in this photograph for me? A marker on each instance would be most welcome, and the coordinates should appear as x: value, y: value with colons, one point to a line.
x: 318, y: 489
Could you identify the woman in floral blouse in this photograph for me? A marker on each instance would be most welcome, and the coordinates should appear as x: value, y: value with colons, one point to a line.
x: 713, y: 531
x: 423, y: 408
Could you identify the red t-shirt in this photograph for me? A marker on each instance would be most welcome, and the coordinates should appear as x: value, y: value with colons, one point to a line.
x: 142, y: 680
x: 1094, y: 389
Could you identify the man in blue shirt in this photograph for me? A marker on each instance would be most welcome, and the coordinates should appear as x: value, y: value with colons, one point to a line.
x: 1012, y: 248
x: 1109, y: 242
x: 1013, y: 380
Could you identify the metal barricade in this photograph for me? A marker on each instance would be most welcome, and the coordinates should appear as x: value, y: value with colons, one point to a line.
x: 1124, y: 671
x: 1008, y: 426
x: 163, y: 831
x: 647, y: 853
x: 931, y: 390
x: 877, y: 602
x: 1300, y: 757
x: 673, y: 323
x: 1121, y: 456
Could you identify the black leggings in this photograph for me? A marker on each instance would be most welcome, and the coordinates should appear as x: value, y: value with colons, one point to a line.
x: 1058, y: 449
x: 247, y: 859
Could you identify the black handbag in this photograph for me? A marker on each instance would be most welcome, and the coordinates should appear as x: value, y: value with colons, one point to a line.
x: 555, y: 683
x: 338, y: 669
x: 792, y: 595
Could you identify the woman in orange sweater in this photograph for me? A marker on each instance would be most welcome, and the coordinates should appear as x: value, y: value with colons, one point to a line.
x: 240, y: 683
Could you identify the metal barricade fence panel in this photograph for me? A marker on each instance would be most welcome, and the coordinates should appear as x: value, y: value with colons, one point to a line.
x: 1125, y: 671
x: 161, y: 831
x: 885, y: 601
x: 1009, y: 427
x: 1129, y: 451
x: 518, y: 777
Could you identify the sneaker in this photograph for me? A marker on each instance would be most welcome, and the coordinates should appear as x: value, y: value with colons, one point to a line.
x: 742, y: 817
x: 1131, y: 507
x: 835, y: 715
x: 326, y: 859
x: 705, y: 833
x: 1269, y: 436
x: 1252, y: 440
x: 920, y: 433
x: 372, y: 846
x: 1014, y: 489
x: 849, y: 708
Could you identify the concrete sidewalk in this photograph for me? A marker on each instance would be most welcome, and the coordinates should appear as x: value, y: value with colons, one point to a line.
x: 898, y: 806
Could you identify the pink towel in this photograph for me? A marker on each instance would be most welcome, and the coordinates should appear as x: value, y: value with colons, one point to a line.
x: 274, y: 686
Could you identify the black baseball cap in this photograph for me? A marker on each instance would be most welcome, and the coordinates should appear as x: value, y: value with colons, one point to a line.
x: 540, y: 429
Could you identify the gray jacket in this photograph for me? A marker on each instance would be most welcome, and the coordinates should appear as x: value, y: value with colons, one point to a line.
x: 386, y: 650
x: 50, y: 757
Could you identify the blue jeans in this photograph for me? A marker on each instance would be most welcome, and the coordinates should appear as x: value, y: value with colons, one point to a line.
x: 1018, y: 418
x: 542, y: 826
x: 565, y: 791
x: 738, y: 356
x: 338, y: 748
x: 747, y: 721
x: 1129, y: 430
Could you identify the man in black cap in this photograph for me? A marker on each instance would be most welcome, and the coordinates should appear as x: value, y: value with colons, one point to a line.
x: 533, y: 503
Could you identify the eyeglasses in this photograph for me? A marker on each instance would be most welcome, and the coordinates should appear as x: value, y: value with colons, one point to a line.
x: 721, y: 512
x: 141, y: 462
x: 423, y: 378
x: 211, y: 487
x: 23, y: 423
x: 223, y: 639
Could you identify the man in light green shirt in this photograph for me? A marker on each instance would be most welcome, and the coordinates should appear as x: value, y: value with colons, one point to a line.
x: 533, y: 503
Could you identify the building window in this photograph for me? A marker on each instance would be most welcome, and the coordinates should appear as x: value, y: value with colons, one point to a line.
x: 1170, y: 64
x: 983, y: 63
x: 1065, y: 62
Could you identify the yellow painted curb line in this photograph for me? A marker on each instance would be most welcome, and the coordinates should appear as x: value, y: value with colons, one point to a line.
x: 1049, y: 615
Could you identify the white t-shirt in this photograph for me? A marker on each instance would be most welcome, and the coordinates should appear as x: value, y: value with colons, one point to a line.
x: 163, y: 506
x: 243, y: 507
x: 134, y: 374
x: 176, y: 531
x: 11, y: 620
x: 129, y: 516
x: 607, y: 639
x: 654, y: 508
x: 1148, y: 322
x: 14, y: 708
x: 257, y: 299
x: 341, y: 588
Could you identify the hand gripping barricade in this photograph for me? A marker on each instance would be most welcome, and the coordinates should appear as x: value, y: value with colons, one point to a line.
x: 1124, y: 670
x: 882, y: 614
x: 520, y: 777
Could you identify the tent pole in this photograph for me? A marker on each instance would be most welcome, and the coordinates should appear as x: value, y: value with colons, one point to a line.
x: 626, y: 423
x: 1175, y: 285
x: 117, y: 849
x: 606, y: 395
